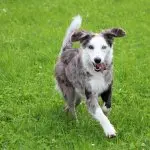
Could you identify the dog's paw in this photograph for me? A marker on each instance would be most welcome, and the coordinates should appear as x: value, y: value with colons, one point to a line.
x: 110, y: 131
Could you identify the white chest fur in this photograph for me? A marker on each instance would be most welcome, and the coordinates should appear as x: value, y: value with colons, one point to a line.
x: 98, y: 84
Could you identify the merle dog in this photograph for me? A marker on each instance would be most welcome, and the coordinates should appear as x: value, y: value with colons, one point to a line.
x: 88, y: 71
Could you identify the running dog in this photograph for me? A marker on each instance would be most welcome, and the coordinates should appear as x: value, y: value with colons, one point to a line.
x: 88, y: 71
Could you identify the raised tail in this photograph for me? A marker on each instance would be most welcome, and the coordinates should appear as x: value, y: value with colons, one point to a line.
x: 75, y: 24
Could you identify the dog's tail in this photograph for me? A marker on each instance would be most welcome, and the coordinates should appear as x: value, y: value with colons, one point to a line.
x: 75, y: 24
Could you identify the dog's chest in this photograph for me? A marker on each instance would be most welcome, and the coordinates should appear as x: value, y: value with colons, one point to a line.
x: 98, y: 84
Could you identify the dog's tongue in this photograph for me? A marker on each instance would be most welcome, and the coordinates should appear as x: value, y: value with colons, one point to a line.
x: 100, y: 66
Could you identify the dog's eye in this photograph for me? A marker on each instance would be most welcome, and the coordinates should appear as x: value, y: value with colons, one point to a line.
x: 104, y: 47
x: 91, y: 47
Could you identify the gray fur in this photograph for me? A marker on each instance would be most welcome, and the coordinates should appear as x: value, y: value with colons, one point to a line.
x: 72, y: 77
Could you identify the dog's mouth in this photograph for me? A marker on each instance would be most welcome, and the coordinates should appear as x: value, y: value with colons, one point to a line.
x: 99, y: 67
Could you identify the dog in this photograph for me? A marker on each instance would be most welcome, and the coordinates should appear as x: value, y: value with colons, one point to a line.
x: 88, y: 71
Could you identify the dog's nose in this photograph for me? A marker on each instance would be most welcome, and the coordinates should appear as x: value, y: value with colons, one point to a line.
x: 97, y: 60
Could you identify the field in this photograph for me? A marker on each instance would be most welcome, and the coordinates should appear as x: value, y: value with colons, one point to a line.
x: 31, y: 110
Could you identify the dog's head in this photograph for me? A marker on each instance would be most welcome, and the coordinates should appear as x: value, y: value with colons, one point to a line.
x: 97, y: 48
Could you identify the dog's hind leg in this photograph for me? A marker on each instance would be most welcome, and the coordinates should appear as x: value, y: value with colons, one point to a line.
x: 70, y: 98
x: 69, y: 95
x: 77, y: 99
x: 97, y: 113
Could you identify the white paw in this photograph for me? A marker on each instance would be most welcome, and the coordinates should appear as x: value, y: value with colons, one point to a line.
x: 110, y: 131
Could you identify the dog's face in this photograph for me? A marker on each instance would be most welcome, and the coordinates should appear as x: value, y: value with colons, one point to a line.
x: 97, y: 53
x: 97, y: 48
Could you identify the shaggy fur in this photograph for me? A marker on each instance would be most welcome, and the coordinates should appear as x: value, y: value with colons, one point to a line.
x: 88, y: 71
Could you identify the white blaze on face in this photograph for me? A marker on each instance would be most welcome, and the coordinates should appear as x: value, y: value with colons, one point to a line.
x: 100, y: 49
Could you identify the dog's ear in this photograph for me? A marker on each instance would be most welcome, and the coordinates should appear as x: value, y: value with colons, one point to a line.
x: 109, y: 34
x: 114, y: 32
x: 80, y: 36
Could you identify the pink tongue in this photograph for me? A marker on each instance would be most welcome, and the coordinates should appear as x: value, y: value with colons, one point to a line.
x: 100, y: 66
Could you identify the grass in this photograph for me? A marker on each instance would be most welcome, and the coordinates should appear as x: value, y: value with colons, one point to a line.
x: 31, y: 111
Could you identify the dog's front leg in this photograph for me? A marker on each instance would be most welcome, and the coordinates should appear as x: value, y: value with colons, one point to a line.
x: 106, y: 97
x: 97, y: 113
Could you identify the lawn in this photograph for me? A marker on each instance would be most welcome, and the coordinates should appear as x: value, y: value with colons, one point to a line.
x: 31, y: 110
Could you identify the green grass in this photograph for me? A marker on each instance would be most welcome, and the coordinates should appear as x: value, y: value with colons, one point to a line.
x: 31, y: 111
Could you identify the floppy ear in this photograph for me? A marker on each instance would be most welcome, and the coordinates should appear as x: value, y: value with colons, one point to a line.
x: 109, y: 34
x: 80, y: 36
